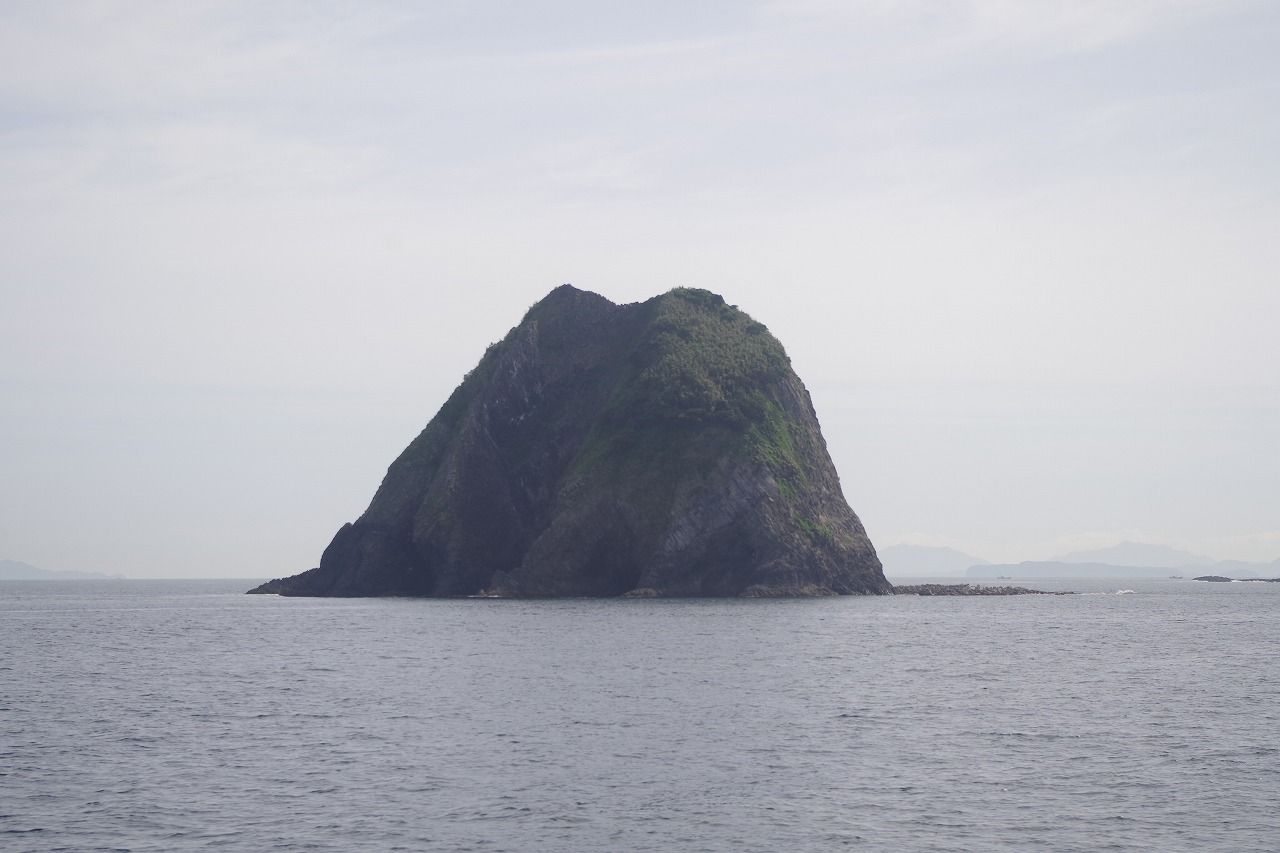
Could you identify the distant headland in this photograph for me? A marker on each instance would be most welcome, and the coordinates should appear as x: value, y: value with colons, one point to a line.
x: 16, y: 570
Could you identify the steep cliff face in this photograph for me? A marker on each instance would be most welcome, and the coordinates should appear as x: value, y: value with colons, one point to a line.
x: 660, y: 448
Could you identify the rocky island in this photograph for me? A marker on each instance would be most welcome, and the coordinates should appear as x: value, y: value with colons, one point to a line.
x: 661, y: 448
x: 1225, y: 579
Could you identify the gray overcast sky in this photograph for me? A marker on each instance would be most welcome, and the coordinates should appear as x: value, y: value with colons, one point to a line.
x: 1024, y: 254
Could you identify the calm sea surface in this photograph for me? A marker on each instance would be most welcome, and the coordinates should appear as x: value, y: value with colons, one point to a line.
x: 182, y: 715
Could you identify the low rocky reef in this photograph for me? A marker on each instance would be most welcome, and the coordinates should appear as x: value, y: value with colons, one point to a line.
x: 1221, y: 579
x: 968, y: 589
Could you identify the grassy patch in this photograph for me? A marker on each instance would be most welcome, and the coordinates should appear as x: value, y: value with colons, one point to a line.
x: 816, y: 531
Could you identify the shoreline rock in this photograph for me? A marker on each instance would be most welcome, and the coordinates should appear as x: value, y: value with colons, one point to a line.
x: 968, y: 589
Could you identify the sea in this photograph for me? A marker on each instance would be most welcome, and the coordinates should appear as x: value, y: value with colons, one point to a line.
x: 185, y: 715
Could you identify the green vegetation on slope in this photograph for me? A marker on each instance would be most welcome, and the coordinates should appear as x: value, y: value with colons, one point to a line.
x: 702, y: 360
x: 700, y: 378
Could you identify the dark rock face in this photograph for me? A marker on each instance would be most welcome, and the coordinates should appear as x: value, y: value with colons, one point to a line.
x: 663, y: 448
x: 1213, y: 579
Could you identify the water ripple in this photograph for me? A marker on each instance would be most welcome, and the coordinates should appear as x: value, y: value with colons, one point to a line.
x: 174, y: 718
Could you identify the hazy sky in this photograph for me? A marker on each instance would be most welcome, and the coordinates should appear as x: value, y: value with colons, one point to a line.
x: 1024, y: 254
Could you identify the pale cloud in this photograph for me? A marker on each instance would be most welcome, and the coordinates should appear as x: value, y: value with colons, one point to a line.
x: 1082, y: 24
x: 1067, y: 25
x: 1022, y: 253
x: 1254, y: 546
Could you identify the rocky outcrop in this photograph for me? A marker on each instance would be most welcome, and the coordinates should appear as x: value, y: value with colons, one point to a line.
x: 663, y: 448
x: 968, y: 589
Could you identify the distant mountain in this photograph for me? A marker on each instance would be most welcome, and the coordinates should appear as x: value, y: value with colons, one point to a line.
x: 1138, y: 554
x: 1241, y: 569
x: 13, y: 570
x: 924, y: 560
x: 1063, y: 569
x: 1060, y: 569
